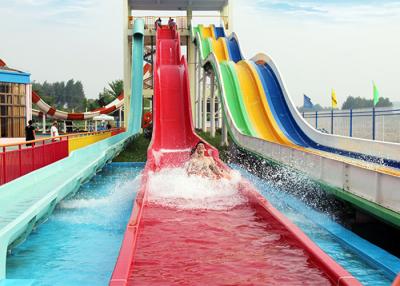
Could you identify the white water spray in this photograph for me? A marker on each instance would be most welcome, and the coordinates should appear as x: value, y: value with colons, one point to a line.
x: 174, y: 188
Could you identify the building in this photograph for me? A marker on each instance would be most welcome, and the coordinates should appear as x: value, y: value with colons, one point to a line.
x: 15, y: 101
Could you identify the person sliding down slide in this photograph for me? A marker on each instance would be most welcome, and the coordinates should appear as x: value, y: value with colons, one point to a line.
x: 201, y: 165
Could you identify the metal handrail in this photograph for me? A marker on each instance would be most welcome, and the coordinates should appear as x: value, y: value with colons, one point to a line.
x: 181, y: 21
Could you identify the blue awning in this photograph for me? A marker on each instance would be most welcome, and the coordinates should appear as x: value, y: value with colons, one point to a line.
x: 14, y: 77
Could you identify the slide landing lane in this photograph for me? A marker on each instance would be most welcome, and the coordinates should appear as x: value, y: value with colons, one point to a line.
x: 234, y: 247
x: 166, y: 245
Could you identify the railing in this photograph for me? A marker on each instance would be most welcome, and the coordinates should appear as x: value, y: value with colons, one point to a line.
x: 19, y: 159
x: 374, y: 123
x: 181, y: 21
x: 86, y: 139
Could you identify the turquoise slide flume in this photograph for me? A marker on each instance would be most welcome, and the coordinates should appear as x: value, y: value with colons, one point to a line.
x: 29, y: 200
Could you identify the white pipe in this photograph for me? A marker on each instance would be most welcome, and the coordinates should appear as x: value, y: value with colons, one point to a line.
x: 204, y: 124
x: 224, y: 135
x: 212, y: 106
x: 44, y: 124
x: 120, y: 119
x: 198, y: 95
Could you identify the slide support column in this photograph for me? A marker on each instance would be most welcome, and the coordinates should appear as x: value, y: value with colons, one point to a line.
x: 204, y: 124
x: 224, y: 135
x: 44, y: 123
x: 120, y: 117
x: 220, y: 112
x: 198, y: 91
x: 212, y: 105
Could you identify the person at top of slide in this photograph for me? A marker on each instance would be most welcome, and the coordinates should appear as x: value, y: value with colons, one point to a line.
x: 157, y: 23
x: 171, y: 23
x: 202, y: 165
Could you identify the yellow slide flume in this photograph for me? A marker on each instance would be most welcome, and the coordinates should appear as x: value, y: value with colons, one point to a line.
x: 207, y: 32
x: 220, y: 49
x: 257, y: 106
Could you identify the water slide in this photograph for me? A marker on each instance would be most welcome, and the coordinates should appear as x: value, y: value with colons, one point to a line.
x: 273, y: 98
x: 345, y: 166
x: 166, y: 244
x: 44, y: 108
x: 29, y: 200
x: 62, y: 115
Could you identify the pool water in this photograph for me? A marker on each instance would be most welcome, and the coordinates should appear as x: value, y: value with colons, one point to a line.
x: 80, y: 242
x: 366, y: 273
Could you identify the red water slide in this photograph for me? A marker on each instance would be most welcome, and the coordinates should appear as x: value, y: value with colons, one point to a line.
x: 251, y: 244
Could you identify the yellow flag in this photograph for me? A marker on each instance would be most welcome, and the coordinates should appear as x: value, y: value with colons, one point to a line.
x: 334, y: 100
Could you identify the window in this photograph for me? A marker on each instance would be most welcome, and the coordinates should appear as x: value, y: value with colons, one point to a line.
x: 12, y: 109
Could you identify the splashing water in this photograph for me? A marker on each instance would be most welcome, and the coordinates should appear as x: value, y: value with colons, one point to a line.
x: 79, y: 244
x: 87, y: 209
x: 172, y: 187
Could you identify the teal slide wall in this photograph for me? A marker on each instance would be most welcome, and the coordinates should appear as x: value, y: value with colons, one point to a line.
x: 29, y: 200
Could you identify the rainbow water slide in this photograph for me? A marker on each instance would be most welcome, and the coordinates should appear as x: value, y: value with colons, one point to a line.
x: 264, y: 89
x: 29, y: 200
x: 164, y: 245
x: 291, y: 141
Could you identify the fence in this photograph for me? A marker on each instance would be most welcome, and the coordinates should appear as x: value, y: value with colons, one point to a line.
x: 19, y: 159
x: 82, y: 141
x: 381, y: 124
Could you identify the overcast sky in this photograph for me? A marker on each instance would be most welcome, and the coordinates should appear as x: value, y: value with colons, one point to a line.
x: 317, y: 45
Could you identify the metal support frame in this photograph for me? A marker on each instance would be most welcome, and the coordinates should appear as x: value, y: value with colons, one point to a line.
x: 204, y: 114
x: 120, y: 117
x: 351, y: 123
x: 44, y: 124
x: 316, y: 119
x: 198, y: 92
x: 373, y: 123
x: 224, y: 133
x: 212, y: 105
x: 152, y: 59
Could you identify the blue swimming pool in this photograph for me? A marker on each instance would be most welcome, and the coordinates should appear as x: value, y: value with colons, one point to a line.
x: 306, y: 218
x: 80, y: 242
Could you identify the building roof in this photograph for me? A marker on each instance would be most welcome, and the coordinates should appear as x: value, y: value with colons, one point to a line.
x: 11, y: 75
x: 194, y: 5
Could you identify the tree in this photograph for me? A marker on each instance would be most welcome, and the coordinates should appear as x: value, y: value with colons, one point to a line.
x: 69, y: 96
x: 358, y: 102
x: 316, y: 107
x: 111, y: 92
x: 91, y: 104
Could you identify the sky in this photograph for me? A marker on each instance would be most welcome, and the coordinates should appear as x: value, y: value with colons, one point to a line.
x: 317, y: 45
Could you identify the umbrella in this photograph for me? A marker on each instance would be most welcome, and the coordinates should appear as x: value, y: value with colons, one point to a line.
x: 103, y: 117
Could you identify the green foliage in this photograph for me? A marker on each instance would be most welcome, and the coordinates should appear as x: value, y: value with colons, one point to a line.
x: 64, y: 96
x: 92, y: 104
x: 111, y: 92
x: 316, y: 107
x: 358, y: 102
x: 136, y: 151
x: 70, y: 95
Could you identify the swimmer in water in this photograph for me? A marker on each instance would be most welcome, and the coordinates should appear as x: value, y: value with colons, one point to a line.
x: 204, y: 166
